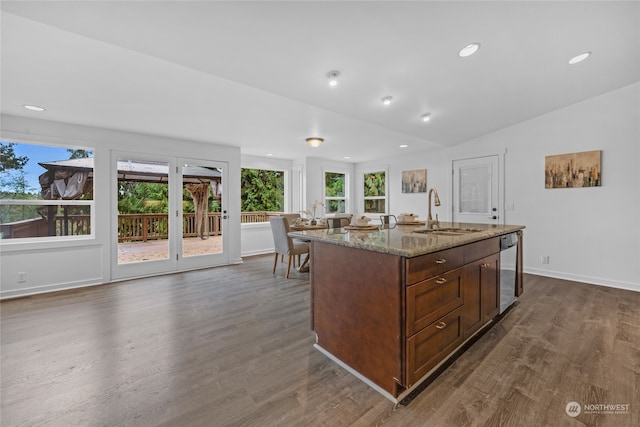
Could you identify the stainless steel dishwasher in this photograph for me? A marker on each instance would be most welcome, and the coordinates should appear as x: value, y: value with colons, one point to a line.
x: 508, y: 256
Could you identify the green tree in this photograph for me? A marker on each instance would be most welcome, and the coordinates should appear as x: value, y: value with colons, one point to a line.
x: 334, y: 187
x: 262, y: 190
x: 374, y: 187
x: 142, y: 197
x: 8, y: 158
x: 79, y: 153
x: 334, y: 184
x: 374, y: 184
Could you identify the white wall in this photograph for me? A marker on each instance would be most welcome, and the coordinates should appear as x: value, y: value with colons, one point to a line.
x: 314, y: 169
x: 590, y: 234
x: 82, y: 262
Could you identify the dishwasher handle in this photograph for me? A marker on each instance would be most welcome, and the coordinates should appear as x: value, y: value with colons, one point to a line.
x: 508, y: 241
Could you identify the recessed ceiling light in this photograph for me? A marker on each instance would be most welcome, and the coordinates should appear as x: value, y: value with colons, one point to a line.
x: 469, y: 50
x: 270, y: 154
x: 579, y: 58
x: 426, y: 117
x: 346, y: 157
x: 387, y: 100
x: 404, y: 146
x: 34, y: 108
x: 333, y: 77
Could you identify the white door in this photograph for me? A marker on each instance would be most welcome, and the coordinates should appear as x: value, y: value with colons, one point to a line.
x: 476, y: 197
x: 202, y: 213
x: 144, y: 230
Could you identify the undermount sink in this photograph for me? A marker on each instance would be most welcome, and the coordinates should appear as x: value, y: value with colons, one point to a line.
x: 448, y: 231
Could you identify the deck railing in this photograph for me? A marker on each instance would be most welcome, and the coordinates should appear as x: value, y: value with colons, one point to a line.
x: 131, y: 227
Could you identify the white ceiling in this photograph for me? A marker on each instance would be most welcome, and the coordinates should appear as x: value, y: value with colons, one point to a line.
x: 253, y: 74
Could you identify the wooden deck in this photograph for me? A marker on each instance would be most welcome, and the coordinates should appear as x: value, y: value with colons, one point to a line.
x: 231, y: 346
x: 159, y: 249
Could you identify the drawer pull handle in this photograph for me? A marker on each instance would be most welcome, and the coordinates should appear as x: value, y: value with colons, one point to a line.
x: 441, y: 325
x: 441, y: 280
x: 441, y: 261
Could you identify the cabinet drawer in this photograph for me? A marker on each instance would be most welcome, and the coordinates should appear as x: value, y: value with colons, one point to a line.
x: 481, y: 249
x: 431, y: 345
x: 429, y: 300
x: 429, y: 265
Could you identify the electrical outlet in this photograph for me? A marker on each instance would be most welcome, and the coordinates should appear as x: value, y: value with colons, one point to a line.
x: 544, y: 259
x: 22, y: 277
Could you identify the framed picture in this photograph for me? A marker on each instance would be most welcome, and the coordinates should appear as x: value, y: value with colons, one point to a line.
x: 573, y: 170
x: 414, y: 181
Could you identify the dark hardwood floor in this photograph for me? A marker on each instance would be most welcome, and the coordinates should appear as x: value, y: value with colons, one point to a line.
x: 231, y: 346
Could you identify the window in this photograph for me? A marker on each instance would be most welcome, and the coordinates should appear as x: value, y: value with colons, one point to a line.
x: 375, y: 194
x: 45, y: 191
x: 335, y: 195
x: 261, y: 191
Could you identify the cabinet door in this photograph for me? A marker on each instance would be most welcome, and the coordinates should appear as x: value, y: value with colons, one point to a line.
x: 481, y: 293
x: 490, y: 286
x: 473, y: 318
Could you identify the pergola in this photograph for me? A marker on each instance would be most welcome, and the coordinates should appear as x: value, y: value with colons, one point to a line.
x: 69, y: 180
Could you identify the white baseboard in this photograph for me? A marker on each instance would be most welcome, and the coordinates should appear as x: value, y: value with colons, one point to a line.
x: 600, y: 281
x: 257, y: 252
x: 24, y: 292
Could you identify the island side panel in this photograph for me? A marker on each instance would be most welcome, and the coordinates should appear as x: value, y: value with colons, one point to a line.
x: 519, y: 261
x: 356, y: 308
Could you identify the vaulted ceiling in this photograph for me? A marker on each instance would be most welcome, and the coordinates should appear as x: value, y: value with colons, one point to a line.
x: 254, y: 74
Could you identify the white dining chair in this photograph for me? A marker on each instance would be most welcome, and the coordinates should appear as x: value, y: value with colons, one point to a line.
x: 283, y: 244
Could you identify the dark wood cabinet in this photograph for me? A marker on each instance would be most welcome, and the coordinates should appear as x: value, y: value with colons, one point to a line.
x: 393, y: 319
x: 459, y: 292
x: 482, y: 292
x: 490, y: 286
x: 432, y: 344
x: 429, y: 300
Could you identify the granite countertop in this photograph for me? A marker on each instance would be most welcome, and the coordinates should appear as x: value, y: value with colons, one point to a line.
x: 403, y: 240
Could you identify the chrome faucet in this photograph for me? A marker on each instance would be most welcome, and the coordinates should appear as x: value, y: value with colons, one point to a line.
x: 430, y: 221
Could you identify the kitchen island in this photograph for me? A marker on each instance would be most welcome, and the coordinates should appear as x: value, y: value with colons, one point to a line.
x: 392, y: 305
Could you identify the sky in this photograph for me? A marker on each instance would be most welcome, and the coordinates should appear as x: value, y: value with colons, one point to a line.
x: 38, y: 153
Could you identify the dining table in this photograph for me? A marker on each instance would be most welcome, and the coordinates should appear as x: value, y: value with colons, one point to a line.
x: 304, y: 267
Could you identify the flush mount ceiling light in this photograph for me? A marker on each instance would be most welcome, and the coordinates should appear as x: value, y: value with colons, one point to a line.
x: 387, y: 100
x: 34, y: 108
x: 403, y: 146
x: 333, y: 77
x: 469, y: 50
x: 425, y: 117
x: 579, y: 58
x: 314, y: 142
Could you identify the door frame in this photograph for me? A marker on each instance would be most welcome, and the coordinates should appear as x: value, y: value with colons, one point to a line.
x: 175, y: 262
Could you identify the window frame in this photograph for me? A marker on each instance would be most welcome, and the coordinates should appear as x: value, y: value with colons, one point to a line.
x: 345, y: 198
x: 56, y: 203
x: 364, y: 173
x: 285, y: 189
